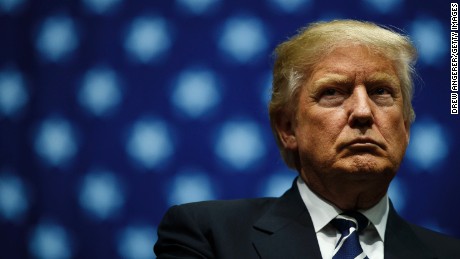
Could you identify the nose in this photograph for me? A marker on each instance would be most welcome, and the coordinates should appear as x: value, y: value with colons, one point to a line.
x: 360, y: 110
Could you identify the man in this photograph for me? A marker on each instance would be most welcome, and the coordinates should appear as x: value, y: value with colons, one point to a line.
x: 341, y: 113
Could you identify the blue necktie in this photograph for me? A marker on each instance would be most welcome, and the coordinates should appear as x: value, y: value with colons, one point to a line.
x: 349, y: 225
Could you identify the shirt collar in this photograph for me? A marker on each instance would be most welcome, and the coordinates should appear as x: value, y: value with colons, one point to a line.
x: 322, y: 211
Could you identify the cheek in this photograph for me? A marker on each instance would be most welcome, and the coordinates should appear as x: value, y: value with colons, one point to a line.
x: 319, y: 130
x: 394, y: 131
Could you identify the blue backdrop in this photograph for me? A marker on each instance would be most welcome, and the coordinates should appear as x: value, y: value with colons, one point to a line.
x: 113, y: 110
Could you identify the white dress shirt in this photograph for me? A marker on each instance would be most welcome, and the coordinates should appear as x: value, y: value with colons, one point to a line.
x: 322, y: 212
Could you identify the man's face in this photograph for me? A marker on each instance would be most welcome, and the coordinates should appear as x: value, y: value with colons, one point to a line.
x: 349, y: 123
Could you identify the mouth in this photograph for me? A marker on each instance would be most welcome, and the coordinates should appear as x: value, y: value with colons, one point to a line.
x: 363, y: 145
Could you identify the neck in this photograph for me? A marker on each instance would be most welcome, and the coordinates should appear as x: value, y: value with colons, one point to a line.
x: 349, y: 193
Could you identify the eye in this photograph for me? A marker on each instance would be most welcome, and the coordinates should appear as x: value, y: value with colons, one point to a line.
x: 330, y: 92
x: 381, y: 91
x: 331, y: 97
x: 382, y: 96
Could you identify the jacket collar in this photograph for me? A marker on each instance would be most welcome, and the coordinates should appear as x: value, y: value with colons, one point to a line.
x: 401, y: 241
x: 286, y: 230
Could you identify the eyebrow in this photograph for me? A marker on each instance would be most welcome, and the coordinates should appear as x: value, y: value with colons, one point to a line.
x: 338, y: 79
x: 383, y: 78
x: 332, y: 79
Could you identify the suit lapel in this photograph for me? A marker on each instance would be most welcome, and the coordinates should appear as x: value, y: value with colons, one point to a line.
x: 401, y: 241
x: 286, y: 230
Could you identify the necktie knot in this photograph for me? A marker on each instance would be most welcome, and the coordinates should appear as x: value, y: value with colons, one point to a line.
x: 345, y: 221
x: 349, y: 225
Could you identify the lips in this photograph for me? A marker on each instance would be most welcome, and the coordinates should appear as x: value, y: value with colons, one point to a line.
x: 362, y: 143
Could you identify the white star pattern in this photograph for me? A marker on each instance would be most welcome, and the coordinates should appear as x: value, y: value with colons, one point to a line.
x: 240, y: 144
x: 50, y: 241
x: 196, y: 92
x: 150, y: 143
x: 135, y: 242
x: 57, y: 38
x: 384, y: 6
x: 190, y: 186
x: 13, y: 200
x: 101, y: 194
x: 100, y: 92
x: 147, y: 38
x: 428, y: 145
x: 10, y: 6
x: 291, y: 6
x: 13, y: 95
x: 101, y: 6
x: 198, y: 7
x: 55, y: 141
x: 428, y: 35
x: 243, y: 38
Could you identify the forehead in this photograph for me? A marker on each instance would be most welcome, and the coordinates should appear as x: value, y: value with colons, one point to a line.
x: 356, y: 61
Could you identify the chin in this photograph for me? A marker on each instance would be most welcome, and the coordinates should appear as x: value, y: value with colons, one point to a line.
x: 366, y: 165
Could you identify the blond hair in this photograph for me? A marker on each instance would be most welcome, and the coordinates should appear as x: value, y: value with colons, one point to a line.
x: 296, y: 57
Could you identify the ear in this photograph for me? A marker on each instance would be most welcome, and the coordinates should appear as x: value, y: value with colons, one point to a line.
x: 407, y: 126
x: 285, y: 128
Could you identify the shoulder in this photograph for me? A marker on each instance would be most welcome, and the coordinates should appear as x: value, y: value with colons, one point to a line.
x: 223, y: 209
x: 228, y: 204
x: 210, y: 229
x: 440, y: 243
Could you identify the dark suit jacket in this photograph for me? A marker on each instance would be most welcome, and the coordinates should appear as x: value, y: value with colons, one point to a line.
x: 276, y: 228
